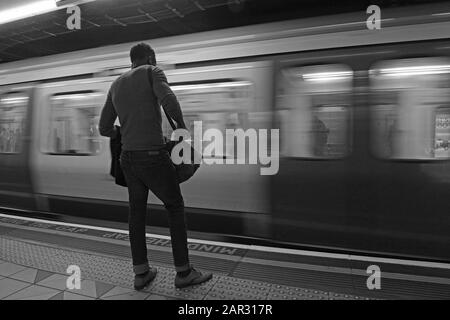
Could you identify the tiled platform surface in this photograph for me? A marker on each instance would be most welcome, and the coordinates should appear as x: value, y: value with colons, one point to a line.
x: 36, y: 271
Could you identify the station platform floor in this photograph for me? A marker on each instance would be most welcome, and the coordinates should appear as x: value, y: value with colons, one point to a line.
x: 35, y: 256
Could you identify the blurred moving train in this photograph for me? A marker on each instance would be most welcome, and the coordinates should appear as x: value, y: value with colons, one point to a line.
x: 364, y: 119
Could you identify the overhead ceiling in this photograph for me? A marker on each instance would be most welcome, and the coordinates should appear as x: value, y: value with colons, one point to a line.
x: 106, y: 22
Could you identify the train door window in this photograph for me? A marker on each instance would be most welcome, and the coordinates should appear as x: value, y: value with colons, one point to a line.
x: 13, y: 111
x: 314, y: 111
x: 410, y: 112
x: 73, y: 124
x: 218, y: 105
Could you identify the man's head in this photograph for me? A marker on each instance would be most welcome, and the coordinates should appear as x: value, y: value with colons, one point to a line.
x: 142, y: 54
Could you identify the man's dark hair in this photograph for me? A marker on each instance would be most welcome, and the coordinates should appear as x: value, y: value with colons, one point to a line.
x: 141, y: 51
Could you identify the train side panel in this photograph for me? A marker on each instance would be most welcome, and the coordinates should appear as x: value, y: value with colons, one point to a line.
x: 368, y: 170
x: 16, y: 187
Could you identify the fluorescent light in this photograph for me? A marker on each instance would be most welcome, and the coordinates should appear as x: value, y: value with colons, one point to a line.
x: 76, y: 96
x: 327, y: 76
x: 414, y: 71
x: 13, y: 100
x: 210, y: 86
x: 441, y: 14
x: 28, y: 10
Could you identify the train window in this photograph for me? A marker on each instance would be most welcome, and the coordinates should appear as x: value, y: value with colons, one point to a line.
x: 13, y: 110
x: 74, y: 118
x: 218, y: 105
x: 314, y: 111
x: 410, y: 113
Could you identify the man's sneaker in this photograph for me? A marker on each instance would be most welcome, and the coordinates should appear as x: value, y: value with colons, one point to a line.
x: 194, y: 277
x: 143, y: 280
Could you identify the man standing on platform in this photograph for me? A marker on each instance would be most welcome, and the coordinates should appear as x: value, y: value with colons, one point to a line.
x: 135, y: 98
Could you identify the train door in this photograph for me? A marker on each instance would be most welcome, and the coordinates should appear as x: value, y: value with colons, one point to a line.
x: 314, y: 112
x: 410, y: 142
x: 16, y: 188
x: 71, y: 160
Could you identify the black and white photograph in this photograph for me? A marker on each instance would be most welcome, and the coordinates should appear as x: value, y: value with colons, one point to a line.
x: 227, y: 157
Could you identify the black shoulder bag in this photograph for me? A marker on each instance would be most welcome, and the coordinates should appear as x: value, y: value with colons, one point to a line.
x: 115, y: 145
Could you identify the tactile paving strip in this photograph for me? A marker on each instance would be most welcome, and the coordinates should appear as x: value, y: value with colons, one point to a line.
x: 118, y: 271
x: 338, y: 296
x: 279, y: 292
x: 233, y: 288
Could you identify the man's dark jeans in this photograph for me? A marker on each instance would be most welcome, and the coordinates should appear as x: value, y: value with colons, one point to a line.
x: 145, y: 171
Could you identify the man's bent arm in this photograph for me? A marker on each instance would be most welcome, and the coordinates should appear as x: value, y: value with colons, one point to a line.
x: 107, y: 119
x: 167, y: 98
x: 171, y: 105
